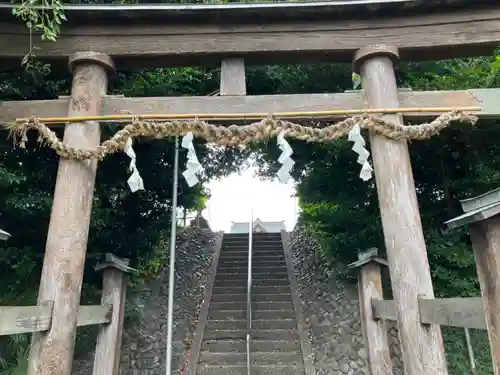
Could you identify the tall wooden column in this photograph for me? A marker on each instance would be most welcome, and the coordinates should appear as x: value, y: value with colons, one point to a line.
x: 422, y: 345
x: 62, y: 273
x: 482, y: 216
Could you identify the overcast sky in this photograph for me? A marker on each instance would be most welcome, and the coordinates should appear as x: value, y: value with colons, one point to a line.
x: 233, y: 197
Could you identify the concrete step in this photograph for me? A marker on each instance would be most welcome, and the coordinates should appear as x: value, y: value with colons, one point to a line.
x: 281, y: 269
x: 259, y: 253
x: 256, y: 306
x: 255, y: 248
x: 257, y: 334
x: 256, y: 358
x: 256, y: 324
x: 240, y: 346
x: 255, y: 235
x: 256, y: 258
x: 255, y: 276
x: 255, y: 297
x: 256, y: 255
x: 255, y: 290
x: 243, y: 261
x: 256, y: 370
x: 241, y: 314
x: 242, y: 281
x: 255, y: 240
x: 256, y: 262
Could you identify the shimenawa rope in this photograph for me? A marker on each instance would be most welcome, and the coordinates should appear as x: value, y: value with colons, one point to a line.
x: 235, y: 134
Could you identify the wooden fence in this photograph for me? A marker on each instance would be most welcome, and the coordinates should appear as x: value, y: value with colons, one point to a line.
x: 468, y: 313
x: 452, y: 312
x: 482, y: 218
x: 109, y: 315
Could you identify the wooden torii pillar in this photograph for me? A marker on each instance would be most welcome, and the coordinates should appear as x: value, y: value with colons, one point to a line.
x: 422, y: 345
x: 482, y: 217
x: 62, y: 273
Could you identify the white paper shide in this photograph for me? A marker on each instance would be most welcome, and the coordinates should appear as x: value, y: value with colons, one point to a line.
x: 285, y: 158
x: 193, y: 166
x: 135, y: 180
x: 359, y: 148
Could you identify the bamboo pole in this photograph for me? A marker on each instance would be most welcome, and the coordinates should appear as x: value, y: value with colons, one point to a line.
x: 229, y: 116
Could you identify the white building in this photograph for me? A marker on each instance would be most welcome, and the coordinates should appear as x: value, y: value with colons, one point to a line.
x: 258, y: 226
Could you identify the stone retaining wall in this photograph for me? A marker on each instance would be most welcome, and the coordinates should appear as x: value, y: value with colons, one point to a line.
x: 144, y: 341
x: 331, y: 310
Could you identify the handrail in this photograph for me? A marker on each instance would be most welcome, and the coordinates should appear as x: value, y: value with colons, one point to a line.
x: 249, y: 291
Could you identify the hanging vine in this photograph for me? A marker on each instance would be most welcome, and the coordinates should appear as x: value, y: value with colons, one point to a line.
x: 42, y: 16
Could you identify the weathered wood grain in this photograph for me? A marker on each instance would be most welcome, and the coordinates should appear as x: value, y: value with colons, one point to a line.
x: 486, y: 98
x: 232, y: 77
x: 374, y: 330
x: 453, y: 312
x: 23, y: 319
x: 94, y: 314
x: 62, y: 272
x: 422, y: 346
x: 134, y: 45
x: 109, y: 339
x: 384, y: 310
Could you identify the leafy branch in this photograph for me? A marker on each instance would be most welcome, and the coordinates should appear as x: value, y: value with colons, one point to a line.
x: 45, y: 16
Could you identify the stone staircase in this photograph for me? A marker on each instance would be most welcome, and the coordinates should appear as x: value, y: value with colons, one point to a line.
x: 275, y: 347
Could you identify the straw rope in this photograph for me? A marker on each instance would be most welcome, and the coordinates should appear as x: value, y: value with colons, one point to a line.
x: 235, y: 134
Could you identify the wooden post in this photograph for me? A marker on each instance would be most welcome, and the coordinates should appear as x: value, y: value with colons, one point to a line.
x: 109, y: 340
x: 232, y: 77
x: 374, y: 330
x: 62, y: 272
x: 422, y: 345
x: 482, y: 215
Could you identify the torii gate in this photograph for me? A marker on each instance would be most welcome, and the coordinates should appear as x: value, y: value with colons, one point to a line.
x: 98, y: 38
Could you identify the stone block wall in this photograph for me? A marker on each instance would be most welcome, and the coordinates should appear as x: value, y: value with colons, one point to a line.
x: 331, y: 311
x: 144, y: 339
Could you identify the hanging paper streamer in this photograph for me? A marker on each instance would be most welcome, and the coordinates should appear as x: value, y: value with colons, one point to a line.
x: 285, y: 160
x: 359, y: 148
x: 193, y: 166
x: 135, y: 180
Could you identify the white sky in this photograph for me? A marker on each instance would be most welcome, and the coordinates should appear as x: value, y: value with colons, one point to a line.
x: 232, y: 199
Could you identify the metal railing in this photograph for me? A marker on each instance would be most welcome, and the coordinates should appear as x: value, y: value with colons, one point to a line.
x: 249, y: 292
x: 171, y: 276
